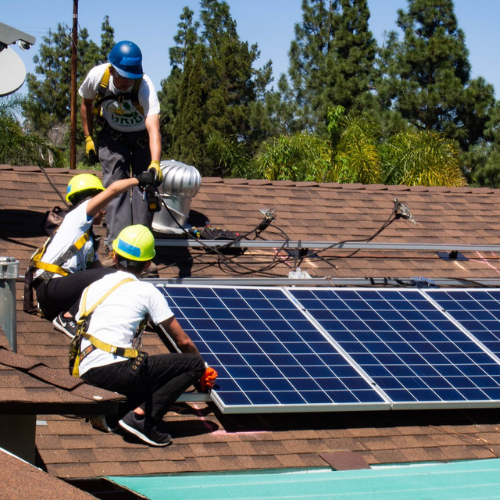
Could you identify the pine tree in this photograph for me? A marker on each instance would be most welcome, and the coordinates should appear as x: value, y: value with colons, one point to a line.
x: 186, y: 38
x: 51, y: 93
x: 212, y: 79
x: 332, y: 59
x: 188, y: 134
x: 428, y: 76
x: 107, y: 40
x: 47, y: 111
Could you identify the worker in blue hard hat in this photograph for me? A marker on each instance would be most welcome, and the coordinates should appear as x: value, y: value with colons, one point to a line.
x: 122, y: 99
x: 107, y: 353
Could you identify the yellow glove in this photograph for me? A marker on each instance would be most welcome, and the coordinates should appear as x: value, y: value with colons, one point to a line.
x: 90, y: 150
x: 155, y: 169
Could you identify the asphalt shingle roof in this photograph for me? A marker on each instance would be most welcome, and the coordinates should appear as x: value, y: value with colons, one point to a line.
x: 205, y: 439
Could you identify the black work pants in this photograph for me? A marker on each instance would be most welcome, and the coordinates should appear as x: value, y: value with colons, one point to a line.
x: 155, y: 386
x: 59, y: 294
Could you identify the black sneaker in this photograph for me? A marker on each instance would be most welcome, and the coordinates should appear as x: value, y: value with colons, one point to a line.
x: 66, y: 325
x: 144, y: 428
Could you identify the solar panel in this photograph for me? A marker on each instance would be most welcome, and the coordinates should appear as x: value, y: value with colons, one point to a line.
x: 414, y: 353
x: 478, y: 311
x: 269, y: 356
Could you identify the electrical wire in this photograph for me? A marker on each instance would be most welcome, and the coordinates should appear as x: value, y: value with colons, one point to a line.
x: 223, y: 260
x: 338, y: 244
x: 53, y: 186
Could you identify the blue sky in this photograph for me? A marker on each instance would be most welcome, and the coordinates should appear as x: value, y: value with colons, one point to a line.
x: 152, y: 24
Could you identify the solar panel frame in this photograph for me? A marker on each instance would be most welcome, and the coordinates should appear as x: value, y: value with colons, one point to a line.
x: 433, y: 383
x: 234, y: 329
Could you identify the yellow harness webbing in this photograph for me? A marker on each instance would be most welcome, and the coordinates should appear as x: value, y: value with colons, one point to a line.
x: 102, y: 90
x: 56, y: 268
x: 98, y: 344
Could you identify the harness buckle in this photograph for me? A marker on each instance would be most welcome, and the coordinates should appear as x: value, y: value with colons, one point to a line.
x: 143, y: 141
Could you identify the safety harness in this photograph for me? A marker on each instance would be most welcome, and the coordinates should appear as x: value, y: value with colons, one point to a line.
x: 75, y: 356
x: 48, y: 269
x: 55, y: 267
x: 102, y: 94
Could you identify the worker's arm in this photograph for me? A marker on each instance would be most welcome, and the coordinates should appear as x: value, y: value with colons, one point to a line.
x: 153, y: 128
x: 100, y: 201
x: 179, y: 336
x: 87, y: 115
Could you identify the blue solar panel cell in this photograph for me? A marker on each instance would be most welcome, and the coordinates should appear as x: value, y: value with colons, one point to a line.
x: 407, y: 345
x: 477, y: 311
x: 267, y: 352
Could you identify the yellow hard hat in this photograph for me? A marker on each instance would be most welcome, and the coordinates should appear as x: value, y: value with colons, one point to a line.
x: 83, y: 182
x: 135, y: 243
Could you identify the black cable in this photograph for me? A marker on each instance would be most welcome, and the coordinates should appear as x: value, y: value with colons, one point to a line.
x: 386, y: 224
x: 54, y: 187
x: 218, y: 250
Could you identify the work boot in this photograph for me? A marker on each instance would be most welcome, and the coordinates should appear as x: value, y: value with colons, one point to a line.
x: 105, y: 423
x: 108, y: 261
x: 145, y: 428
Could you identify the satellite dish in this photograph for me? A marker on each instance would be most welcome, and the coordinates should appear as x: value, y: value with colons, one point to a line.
x: 12, y: 72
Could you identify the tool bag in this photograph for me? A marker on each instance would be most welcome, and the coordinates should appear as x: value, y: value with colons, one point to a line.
x: 75, y: 354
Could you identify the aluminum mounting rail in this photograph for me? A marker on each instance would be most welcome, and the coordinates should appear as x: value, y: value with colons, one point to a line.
x: 328, y: 281
x: 318, y: 245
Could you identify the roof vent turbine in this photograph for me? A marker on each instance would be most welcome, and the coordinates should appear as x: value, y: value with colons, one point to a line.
x: 180, y: 185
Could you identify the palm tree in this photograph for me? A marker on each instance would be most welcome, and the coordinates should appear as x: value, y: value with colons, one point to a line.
x: 354, y: 141
x: 297, y: 157
x: 421, y: 158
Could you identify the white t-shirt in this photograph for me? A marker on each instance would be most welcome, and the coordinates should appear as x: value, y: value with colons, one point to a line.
x: 73, y: 227
x: 116, y: 319
x: 124, y: 117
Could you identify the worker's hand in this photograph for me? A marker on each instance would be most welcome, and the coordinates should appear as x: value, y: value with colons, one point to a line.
x: 207, y: 380
x: 145, y: 179
x: 90, y: 150
x: 156, y: 170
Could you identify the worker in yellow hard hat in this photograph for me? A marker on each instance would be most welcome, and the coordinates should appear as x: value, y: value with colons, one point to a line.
x: 57, y: 266
x: 108, y: 353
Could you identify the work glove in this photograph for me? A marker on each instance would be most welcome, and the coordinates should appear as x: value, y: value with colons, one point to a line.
x: 207, y: 380
x: 146, y: 179
x: 156, y: 169
x: 90, y: 150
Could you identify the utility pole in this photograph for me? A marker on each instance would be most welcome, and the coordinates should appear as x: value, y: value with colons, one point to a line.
x: 73, y: 85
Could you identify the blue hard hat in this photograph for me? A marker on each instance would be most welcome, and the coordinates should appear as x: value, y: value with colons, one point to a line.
x: 126, y: 58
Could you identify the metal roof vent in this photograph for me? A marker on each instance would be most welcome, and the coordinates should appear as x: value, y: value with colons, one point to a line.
x: 181, y: 183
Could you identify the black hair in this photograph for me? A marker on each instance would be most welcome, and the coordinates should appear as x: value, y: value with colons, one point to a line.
x: 80, y: 197
x: 132, y: 266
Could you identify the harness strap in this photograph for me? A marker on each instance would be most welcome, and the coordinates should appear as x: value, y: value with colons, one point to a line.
x: 102, y: 94
x: 123, y: 352
x: 96, y: 343
x: 55, y: 267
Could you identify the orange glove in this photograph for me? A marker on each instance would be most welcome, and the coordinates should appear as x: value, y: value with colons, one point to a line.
x: 207, y: 380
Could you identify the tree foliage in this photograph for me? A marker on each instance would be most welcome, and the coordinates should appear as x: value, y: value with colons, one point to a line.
x: 428, y: 74
x: 421, y: 158
x: 18, y: 147
x: 331, y: 60
x: 50, y: 86
x: 212, y: 87
x: 298, y: 157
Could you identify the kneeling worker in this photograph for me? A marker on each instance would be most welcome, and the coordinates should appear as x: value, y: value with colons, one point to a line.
x: 120, y: 305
